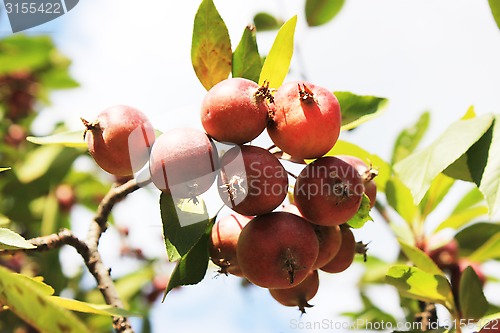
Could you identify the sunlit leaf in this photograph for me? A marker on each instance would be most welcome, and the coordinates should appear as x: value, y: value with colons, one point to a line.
x: 10, y: 240
x: 399, y: 197
x: 495, y: 10
x: 375, y: 270
x: 414, y: 283
x: 246, y: 59
x: 31, y: 302
x: 4, y: 220
x: 470, y: 199
x: 440, y: 186
x: 487, y: 251
x: 348, y: 148
x: 489, y: 181
x: 362, y: 215
x: 465, y: 211
x: 420, y: 259
x: 211, y: 52
x: 419, y: 169
x: 357, y: 109
x: 458, y: 220
x: 99, y: 309
x: 183, y: 224
x: 192, y: 267
x: 68, y: 139
x: 473, y: 304
x: 265, y: 22
x: 4, y: 169
x: 277, y: 63
x: 409, y: 138
x: 319, y: 12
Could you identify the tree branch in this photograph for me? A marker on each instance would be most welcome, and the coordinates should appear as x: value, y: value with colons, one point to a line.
x: 95, y: 264
x: 89, y: 251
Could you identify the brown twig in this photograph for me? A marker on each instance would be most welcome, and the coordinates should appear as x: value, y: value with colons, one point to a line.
x: 95, y: 264
x: 89, y: 251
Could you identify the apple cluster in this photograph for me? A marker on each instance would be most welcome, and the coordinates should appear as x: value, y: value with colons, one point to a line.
x: 271, y: 243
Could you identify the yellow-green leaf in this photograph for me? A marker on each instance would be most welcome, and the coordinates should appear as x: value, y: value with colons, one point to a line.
x: 414, y: 283
x: 320, y: 12
x: 100, y: 309
x: 10, y: 240
x: 68, y: 139
x: 362, y: 215
x: 357, y: 109
x: 211, y: 52
x: 495, y: 10
x: 265, y: 22
x: 246, y: 59
x: 420, y: 259
x: 4, y: 169
x: 31, y: 302
x: 419, y: 169
x: 277, y: 62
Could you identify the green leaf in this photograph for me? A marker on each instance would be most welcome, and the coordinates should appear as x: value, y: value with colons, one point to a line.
x: 10, y: 240
x: 473, y: 304
x: 30, y: 300
x: 357, y: 109
x: 375, y: 270
x: 414, y: 283
x: 399, y: 197
x: 458, y: 220
x: 57, y: 78
x: 211, y: 52
x: 487, y: 251
x: 470, y: 199
x: 246, y: 59
x: 363, y: 214
x: 99, y: 309
x: 472, y: 237
x: 440, y: 186
x: 319, y: 12
x: 466, y: 210
x: 193, y: 265
x: 495, y: 10
x: 419, y: 169
x: 68, y: 139
x: 22, y: 53
x: 277, y: 62
x: 4, y: 169
x: 38, y: 162
x: 183, y: 224
x: 4, y: 220
x: 265, y: 22
x: 409, y: 138
x: 348, y: 148
x: 420, y: 259
x: 489, y: 181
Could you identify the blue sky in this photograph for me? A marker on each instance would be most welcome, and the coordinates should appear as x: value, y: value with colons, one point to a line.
x: 440, y: 56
